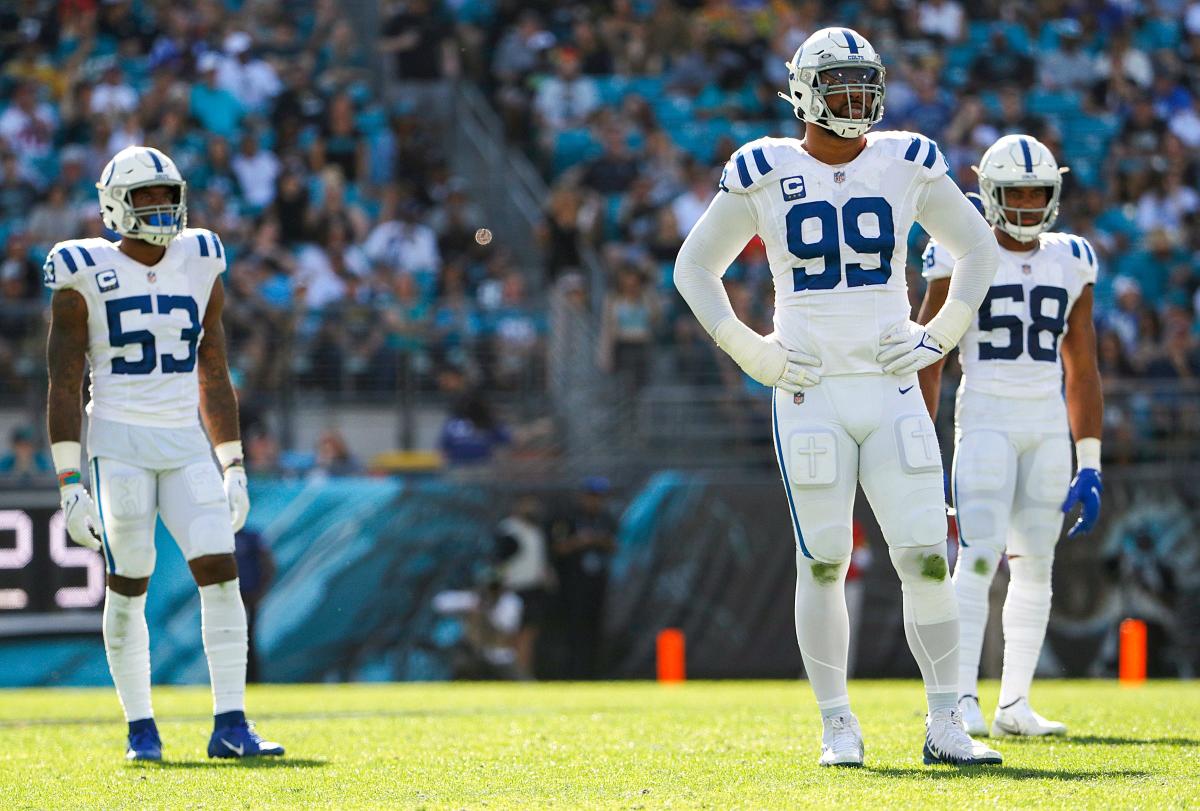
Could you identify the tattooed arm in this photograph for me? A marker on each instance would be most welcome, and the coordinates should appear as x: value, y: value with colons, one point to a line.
x: 66, y: 355
x: 218, y: 402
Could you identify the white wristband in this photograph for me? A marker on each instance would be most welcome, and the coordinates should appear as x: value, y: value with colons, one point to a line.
x: 66, y: 456
x: 1087, y: 453
x: 950, y: 323
x: 229, y: 453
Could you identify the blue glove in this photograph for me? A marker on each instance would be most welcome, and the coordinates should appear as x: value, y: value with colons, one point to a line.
x: 1085, y: 490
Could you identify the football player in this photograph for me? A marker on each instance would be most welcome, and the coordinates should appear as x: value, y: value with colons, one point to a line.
x: 1012, y: 457
x: 834, y: 211
x: 145, y: 314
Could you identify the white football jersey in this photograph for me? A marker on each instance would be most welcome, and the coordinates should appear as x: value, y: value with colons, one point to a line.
x: 1012, y: 346
x: 837, y: 238
x: 145, y: 324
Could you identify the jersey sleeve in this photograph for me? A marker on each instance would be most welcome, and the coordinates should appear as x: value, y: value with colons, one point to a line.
x: 936, y: 262
x: 1089, y: 264
x: 207, y: 249
x: 923, y: 153
x: 749, y: 168
x: 61, y: 269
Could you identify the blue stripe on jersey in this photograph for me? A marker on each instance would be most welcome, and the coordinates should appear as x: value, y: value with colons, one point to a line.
x: 87, y: 257
x: 743, y: 171
x: 158, y: 167
x: 203, y: 244
x: 217, y: 244
x: 1090, y: 255
x: 787, y: 484
x: 70, y: 260
x: 1027, y: 154
x: 1075, y: 249
x: 850, y: 43
x: 913, y: 149
x: 760, y: 160
x: 931, y: 157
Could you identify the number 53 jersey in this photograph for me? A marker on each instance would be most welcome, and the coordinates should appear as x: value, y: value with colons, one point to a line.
x: 144, y: 324
x: 1011, y: 349
x: 837, y: 238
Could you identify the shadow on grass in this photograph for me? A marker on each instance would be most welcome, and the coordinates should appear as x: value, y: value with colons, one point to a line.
x: 1105, y: 740
x: 237, y: 763
x: 1007, y: 772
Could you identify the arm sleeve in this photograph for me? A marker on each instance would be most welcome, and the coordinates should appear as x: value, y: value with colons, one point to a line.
x: 715, y: 241
x: 950, y: 218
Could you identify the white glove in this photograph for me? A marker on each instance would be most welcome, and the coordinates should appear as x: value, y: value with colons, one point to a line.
x: 238, y: 495
x: 229, y: 454
x: 908, y: 347
x: 767, y: 360
x: 83, y: 521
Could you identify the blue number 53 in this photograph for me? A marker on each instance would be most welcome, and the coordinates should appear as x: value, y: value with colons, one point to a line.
x: 118, y: 337
x: 829, y: 246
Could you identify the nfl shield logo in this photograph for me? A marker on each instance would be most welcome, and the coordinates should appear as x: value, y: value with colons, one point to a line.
x: 151, y: 276
x: 839, y: 176
x: 1027, y: 269
x: 798, y: 398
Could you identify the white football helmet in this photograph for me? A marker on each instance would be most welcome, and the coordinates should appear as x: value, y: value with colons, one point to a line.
x: 833, y: 61
x: 1018, y: 160
x: 131, y: 168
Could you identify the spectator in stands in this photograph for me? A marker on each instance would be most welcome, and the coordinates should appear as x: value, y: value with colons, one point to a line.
x: 333, y: 457
x: 20, y: 275
x: 524, y: 564
x: 516, y: 336
x: 419, y: 40
x: 999, y: 63
x: 631, y: 319
x: 941, y: 20
x: 566, y: 99
x: 689, y: 206
x: 1068, y: 66
x: 256, y: 571
x: 27, y: 125
x: 471, y: 434
x: 215, y: 107
x: 615, y: 169
x: 256, y: 170
x: 401, y: 241
x: 112, y: 96
x: 24, y: 463
x: 583, y: 540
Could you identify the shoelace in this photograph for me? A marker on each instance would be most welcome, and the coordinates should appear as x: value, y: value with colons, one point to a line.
x: 956, y: 733
x: 843, y: 736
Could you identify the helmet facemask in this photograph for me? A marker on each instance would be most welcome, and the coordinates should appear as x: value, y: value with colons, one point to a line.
x: 157, y: 224
x: 845, y: 84
x: 1008, y: 218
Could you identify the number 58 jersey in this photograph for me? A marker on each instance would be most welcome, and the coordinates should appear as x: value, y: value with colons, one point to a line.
x: 1011, y: 349
x: 837, y: 238
x: 144, y: 324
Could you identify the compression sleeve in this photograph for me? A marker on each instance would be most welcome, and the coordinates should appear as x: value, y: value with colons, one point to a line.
x: 953, y: 221
x: 715, y: 241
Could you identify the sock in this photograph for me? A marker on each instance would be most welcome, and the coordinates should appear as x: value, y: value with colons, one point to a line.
x: 1026, y: 612
x: 127, y: 646
x: 972, y: 578
x: 223, y: 626
x: 823, y: 631
x: 930, y: 619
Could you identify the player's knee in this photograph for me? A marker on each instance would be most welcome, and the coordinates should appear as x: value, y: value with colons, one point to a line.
x: 828, y: 545
x: 1031, y: 569
x: 977, y: 561
x: 210, y: 569
x: 924, y: 576
x: 922, y: 524
x: 821, y: 572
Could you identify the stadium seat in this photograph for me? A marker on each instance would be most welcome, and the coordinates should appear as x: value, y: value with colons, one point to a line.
x: 572, y: 147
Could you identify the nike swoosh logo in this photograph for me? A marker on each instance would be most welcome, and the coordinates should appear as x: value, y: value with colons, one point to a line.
x: 923, y: 345
x: 906, y: 391
x: 238, y: 750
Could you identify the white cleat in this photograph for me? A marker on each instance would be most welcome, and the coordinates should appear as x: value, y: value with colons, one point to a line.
x: 972, y: 716
x: 947, y: 741
x: 841, y: 742
x: 1019, y: 718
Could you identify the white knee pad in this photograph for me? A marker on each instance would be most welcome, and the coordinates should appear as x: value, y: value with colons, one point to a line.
x: 925, y: 579
x: 1031, y: 569
x: 978, y: 561
x: 821, y: 573
x: 981, y: 484
x: 195, y: 511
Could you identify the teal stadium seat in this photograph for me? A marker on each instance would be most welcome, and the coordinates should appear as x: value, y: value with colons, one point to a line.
x: 572, y: 147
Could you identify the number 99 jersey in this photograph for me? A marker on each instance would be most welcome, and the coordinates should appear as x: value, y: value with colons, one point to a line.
x: 1011, y: 349
x: 837, y: 238
x: 144, y: 324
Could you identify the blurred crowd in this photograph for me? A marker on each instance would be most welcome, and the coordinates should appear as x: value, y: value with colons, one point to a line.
x: 357, y: 267
x: 636, y: 107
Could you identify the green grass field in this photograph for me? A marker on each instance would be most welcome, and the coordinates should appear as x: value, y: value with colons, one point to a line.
x: 610, y: 745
